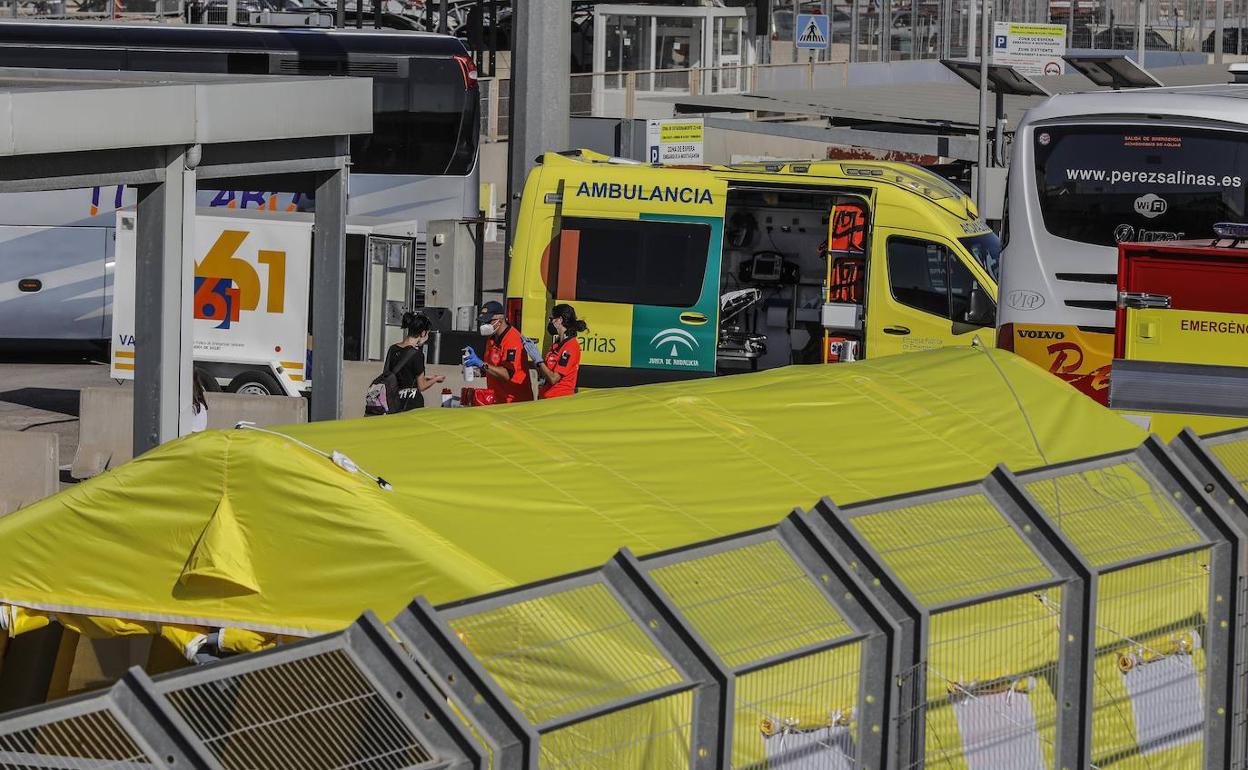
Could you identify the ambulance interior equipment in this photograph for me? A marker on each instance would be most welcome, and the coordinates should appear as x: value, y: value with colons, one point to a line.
x: 782, y: 267
x: 735, y: 342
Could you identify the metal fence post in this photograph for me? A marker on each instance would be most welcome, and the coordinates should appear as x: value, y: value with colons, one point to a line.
x: 1073, y: 736
x: 410, y: 692
x: 440, y: 652
x: 163, y: 729
x: 713, y: 720
x: 877, y: 703
x: 1223, y: 498
x: 909, y: 686
x: 492, y: 108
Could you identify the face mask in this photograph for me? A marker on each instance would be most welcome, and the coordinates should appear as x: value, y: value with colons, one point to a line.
x: 487, y: 330
x: 550, y: 328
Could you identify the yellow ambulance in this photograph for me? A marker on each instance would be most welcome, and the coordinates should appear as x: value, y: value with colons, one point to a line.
x: 692, y: 271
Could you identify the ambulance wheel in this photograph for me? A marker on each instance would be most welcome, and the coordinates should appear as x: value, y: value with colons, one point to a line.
x: 255, y: 383
x: 207, y: 381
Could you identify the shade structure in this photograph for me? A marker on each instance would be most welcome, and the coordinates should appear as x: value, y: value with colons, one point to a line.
x: 255, y: 530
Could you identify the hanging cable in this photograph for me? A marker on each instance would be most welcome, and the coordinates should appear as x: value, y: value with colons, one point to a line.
x: 335, y: 457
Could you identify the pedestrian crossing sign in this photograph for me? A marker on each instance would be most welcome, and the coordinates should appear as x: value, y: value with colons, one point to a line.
x: 811, y: 31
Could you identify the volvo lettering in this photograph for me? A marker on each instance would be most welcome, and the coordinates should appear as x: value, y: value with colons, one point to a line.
x: 1091, y: 171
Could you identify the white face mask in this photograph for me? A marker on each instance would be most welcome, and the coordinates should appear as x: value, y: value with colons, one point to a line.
x: 487, y: 330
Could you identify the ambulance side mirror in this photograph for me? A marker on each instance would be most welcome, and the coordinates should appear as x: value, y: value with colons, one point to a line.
x: 983, y: 311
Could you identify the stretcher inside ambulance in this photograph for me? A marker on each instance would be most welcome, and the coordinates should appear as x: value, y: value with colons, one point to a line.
x: 695, y: 271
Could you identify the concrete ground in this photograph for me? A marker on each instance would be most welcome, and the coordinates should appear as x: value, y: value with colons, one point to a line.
x: 40, y: 381
x: 39, y: 390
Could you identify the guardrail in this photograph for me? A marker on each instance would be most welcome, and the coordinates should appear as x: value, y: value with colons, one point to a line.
x: 1076, y: 615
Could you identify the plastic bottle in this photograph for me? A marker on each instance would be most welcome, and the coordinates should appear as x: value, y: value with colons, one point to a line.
x: 469, y: 372
x: 446, y: 397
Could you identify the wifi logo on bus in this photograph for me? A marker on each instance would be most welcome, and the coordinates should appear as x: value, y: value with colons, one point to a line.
x: 675, y: 338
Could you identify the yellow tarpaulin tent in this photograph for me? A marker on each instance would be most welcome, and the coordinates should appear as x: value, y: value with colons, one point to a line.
x: 247, y: 529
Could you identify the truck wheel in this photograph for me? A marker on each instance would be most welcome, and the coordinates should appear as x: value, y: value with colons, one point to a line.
x: 208, y: 382
x: 256, y: 383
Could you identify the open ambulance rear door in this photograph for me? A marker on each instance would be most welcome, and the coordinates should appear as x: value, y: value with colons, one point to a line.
x: 1181, y: 337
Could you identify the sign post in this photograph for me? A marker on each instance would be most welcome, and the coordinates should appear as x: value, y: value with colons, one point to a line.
x: 675, y: 141
x: 1032, y: 49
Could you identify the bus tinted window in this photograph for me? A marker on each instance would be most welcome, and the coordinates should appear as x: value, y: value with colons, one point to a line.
x: 1104, y: 185
x: 423, y: 124
x: 634, y: 262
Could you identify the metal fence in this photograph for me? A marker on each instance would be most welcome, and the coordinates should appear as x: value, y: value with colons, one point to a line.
x: 1219, y: 465
x: 1164, y: 589
x: 972, y: 578
x: 1081, y: 615
x: 349, y: 699
x: 89, y: 10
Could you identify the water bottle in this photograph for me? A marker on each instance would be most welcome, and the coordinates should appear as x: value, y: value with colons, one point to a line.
x: 446, y: 397
x: 470, y: 372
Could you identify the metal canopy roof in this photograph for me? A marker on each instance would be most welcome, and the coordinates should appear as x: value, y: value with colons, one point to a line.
x: 49, y: 111
x: 163, y: 133
x: 946, y: 106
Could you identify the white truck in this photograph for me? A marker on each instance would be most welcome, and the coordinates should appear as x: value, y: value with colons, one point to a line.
x: 251, y: 295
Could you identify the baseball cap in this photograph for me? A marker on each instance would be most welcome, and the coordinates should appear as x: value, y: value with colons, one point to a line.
x: 489, y: 310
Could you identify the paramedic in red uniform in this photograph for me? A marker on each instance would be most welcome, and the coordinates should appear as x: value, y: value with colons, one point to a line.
x: 559, y: 368
x: 506, y: 374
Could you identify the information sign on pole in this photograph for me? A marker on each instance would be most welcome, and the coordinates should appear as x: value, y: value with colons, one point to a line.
x: 811, y: 31
x: 675, y: 141
x: 1032, y: 49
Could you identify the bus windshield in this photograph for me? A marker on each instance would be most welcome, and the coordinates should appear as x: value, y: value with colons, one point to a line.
x: 986, y: 249
x: 1103, y: 185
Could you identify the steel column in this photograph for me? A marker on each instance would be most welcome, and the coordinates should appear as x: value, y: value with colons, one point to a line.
x: 985, y: 31
x: 1219, y: 24
x: 540, y: 99
x: 328, y: 278
x: 163, y: 289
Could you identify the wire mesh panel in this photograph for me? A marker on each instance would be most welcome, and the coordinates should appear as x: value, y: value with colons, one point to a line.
x: 317, y: 711
x: 989, y: 666
x: 768, y: 614
x: 348, y: 700
x: 1232, y: 451
x: 991, y: 673
x: 95, y: 738
x: 585, y: 671
x: 1147, y: 540
x: 125, y: 726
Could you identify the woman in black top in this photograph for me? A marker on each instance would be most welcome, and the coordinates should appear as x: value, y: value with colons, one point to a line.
x: 411, y: 376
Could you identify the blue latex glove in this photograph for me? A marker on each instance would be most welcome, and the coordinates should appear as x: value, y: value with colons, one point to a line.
x: 530, y: 347
x: 472, y: 359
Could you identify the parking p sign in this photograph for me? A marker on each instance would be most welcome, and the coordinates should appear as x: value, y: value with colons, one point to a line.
x: 675, y: 141
x: 811, y: 31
